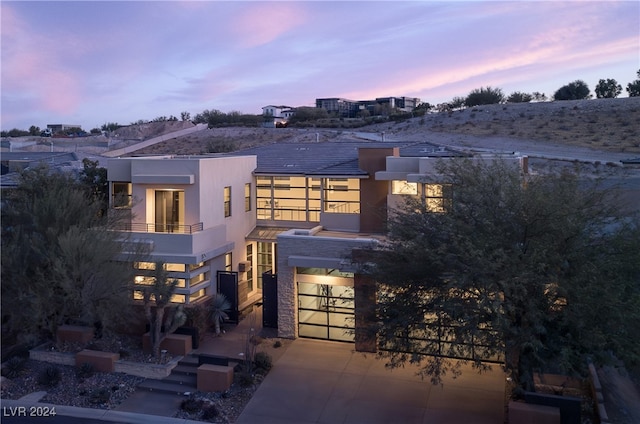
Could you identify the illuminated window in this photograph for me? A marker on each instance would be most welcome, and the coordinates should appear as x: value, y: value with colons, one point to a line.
x: 288, y: 198
x: 341, y: 195
x: 228, y: 261
x: 250, y: 270
x: 227, y: 201
x: 437, y: 197
x: 404, y: 187
x: 247, y: 197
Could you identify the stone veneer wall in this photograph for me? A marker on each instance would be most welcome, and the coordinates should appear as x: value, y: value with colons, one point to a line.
x: 315, y: 248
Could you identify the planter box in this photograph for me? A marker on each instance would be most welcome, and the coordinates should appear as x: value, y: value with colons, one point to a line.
x: 155, y: 371
x: 175, y: 344
x: 101, y: 361
x: 139, y: 369
x: 214, y: 378
x: 569, y: 406
x: 74, y: 334
x: 41, y: 353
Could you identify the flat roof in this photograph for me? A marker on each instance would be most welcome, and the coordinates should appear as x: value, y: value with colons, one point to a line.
x: 334, y: 158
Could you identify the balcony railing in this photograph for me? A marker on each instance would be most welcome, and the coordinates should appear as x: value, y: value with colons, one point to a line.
x: 142, y: 227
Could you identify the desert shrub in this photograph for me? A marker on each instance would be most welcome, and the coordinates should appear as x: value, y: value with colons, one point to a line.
x: 191, y: 405
x: 245, y: 378
x: 262, y: 361
x: 14, y: 367
x: 210, y: 412
x: 277, y: 344
x: 85, y: 370
x: 100, y: 396
x: 50, y: 376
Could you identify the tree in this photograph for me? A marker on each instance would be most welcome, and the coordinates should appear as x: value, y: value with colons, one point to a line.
x: 308, y: 114
x: 95, y: 180
x: 457, y: 103
x: 484, y: 96
x: 185, y: 116
x: 576, y: 90
x: 539, y: 97
x: 58, y: 255
x: 541, y: 271
x: 519, y: 97
x: 158, y: 294
x: 33, y: 130
x: 218, y: 312
x: 608, y: 89
x: 633, y: 88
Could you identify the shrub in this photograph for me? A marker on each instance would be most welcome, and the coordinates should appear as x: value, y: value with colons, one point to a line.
x: 49, y: 376
x: 14, y: 367
x: 191, y: 405
x: 85, y: 370
x: 100, y: 396
x: 210, y: 412
x: 277, y: 344
x: 263, y: 361
x: 245, y: 379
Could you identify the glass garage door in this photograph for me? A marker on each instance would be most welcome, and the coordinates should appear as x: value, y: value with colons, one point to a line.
x: 325, y: 312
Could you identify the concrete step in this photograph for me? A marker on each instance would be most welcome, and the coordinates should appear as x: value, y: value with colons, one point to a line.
x: 183, y: 379
x: 185, y: 370
x: 160, y: 386
x: 189, y: 360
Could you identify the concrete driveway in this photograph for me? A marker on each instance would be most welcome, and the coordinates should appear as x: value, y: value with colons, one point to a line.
x: 328, y: 382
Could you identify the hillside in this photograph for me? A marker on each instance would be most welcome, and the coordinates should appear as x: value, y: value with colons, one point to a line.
x: 611, y: 125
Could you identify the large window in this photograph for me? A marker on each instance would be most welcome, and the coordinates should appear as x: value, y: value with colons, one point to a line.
x: 341, y: 195
x: 265, y: 261
x: 227, y: 201
x: 169, y: 210
x: 288, y: 198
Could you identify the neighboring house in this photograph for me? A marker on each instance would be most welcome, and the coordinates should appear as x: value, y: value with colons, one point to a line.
x: 275, y: 224
x: 61, y: 128
x: 275, y: 116
x: 346, y: 108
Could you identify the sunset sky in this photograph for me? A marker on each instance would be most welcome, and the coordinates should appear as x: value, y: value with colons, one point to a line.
x: 89, y: 62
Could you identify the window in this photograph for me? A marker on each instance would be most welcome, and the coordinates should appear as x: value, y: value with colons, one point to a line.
x: 169, y: 211
x: 341, y: 195
x: 121, y: 195
x: 288, y: 198
x: 404, y: 187
x: 250, y: 270
x: 247, y: 197
x: 437, y: 197
x: 228, y: 261
x: 227, y: 202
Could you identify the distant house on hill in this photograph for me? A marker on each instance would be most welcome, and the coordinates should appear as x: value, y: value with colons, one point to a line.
x: 346, y: 108
x: 275, y: 116
x: 60, y: 128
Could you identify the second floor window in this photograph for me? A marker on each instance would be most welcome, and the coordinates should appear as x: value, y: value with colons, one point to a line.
x: 121, y: 195
x: 227, y: 201
x: 247, y: 197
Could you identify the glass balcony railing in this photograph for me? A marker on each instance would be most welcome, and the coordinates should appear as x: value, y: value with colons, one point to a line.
x: 142, y: 227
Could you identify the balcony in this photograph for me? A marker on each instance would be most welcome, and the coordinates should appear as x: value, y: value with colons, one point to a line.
x: 145, y: 227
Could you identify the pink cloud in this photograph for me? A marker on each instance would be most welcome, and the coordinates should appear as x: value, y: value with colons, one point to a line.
x: 31, y: 66
x: 262, y: 23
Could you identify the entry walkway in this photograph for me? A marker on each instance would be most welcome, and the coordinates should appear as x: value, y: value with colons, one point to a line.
x: 328, y: 382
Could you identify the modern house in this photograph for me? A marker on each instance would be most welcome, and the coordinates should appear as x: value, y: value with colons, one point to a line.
x: 346, y: 108
x: 275, y: 224
x: 275, y: 116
